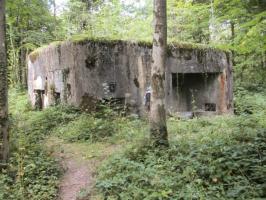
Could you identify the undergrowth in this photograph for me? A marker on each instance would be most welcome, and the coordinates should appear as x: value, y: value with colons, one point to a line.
x: 223, y: 157
x: 209, y: 158
x: 32, y: 173
x: 89, y: 127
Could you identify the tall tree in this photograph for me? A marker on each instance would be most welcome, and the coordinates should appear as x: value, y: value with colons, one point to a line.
x: 26, y: 30
x: 245, y: 21
x: 158, y: 128
x: 3, y: 89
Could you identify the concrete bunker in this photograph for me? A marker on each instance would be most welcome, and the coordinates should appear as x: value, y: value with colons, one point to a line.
x: 198, y: 79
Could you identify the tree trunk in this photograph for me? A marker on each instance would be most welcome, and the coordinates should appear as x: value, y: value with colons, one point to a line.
x: 23, y: 68
x: 20, y: 68
x: 3, y: 90
x: 232, y: 24
x: 158, y: 128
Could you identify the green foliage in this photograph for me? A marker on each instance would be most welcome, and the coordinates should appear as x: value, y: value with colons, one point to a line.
x: 32, y: 173
x: 218, y: 158
x: 249, y: 102
x: 104, y: 125
x: 30, y: 24
x: 26, y: 22
x: 87, y: 127
x: 188, y: 21
x: 232, y: 167
x: 209, y: 158
x: 245, y: 22
x: 110, y: 19
x: 40, y: 124
x: 235, y: 24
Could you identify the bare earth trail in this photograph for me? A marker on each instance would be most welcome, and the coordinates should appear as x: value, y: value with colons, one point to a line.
x: 79, y: 162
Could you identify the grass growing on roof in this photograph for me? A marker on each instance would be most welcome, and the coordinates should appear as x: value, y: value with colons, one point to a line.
x: 84, y: 38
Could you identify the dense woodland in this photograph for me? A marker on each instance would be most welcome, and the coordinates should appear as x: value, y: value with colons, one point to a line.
x: 222, y: 157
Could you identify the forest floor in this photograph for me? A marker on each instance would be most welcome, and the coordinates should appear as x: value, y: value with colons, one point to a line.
x: 107, y: 156
x: 79, y: 162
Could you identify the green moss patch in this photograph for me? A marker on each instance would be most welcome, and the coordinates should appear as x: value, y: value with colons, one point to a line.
x: 83, y: 39
x: 33, y: 56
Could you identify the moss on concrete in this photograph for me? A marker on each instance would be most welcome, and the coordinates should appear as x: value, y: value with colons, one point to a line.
x: 35, y: 54
x: 83, y: 39
x: 187, y: 45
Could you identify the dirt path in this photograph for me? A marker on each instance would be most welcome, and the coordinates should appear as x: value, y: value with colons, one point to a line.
x: 78, y: 175
x: 79, y: 162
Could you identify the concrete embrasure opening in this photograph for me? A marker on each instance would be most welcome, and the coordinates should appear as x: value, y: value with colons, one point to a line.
x: 174, y: 80
x: 68, y: 89
x: 210, y: 107
x: 57, y: 97
x: 39, y: 99
x: 195, y: 91
x: 112, y: 87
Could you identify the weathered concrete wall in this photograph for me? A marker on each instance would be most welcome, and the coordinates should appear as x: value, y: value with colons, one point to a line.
x: 80, y: 72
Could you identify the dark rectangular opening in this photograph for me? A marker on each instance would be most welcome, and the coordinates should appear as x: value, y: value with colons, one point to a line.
x: 174, y: 80
x: 39, y: 99
x: 210, y: 107
x: 57, y: 98
x: 196, y: 91
x: 68, y: 90
x: 39, y: 91
x: 116, y: 104
x: 112, y: 87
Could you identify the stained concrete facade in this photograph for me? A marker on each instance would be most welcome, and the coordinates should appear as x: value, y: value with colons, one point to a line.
x: 198, y: 80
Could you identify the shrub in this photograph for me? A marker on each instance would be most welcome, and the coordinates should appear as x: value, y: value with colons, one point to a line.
x: 219, y: 158
x: 87, y: 128
x: 32, y: 173
x: 249, y: 102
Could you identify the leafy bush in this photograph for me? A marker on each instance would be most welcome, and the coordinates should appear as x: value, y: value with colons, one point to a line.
x: 248, y: 102
x: 219, y: 158
x: 32, y: 173
x: 94, y: 128
x: 40, y: 124
x: 87, y: 128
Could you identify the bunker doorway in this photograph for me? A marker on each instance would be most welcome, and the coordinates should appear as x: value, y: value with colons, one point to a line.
x: 195, y: 91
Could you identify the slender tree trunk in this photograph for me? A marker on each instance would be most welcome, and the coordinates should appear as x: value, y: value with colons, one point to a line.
x: 23, y: 65
x: 20, y: 68
x: 3, y: 90
x: 54, y: 5
x: 232, y: 24
x: 158, y: 128
x: 13, y: 57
